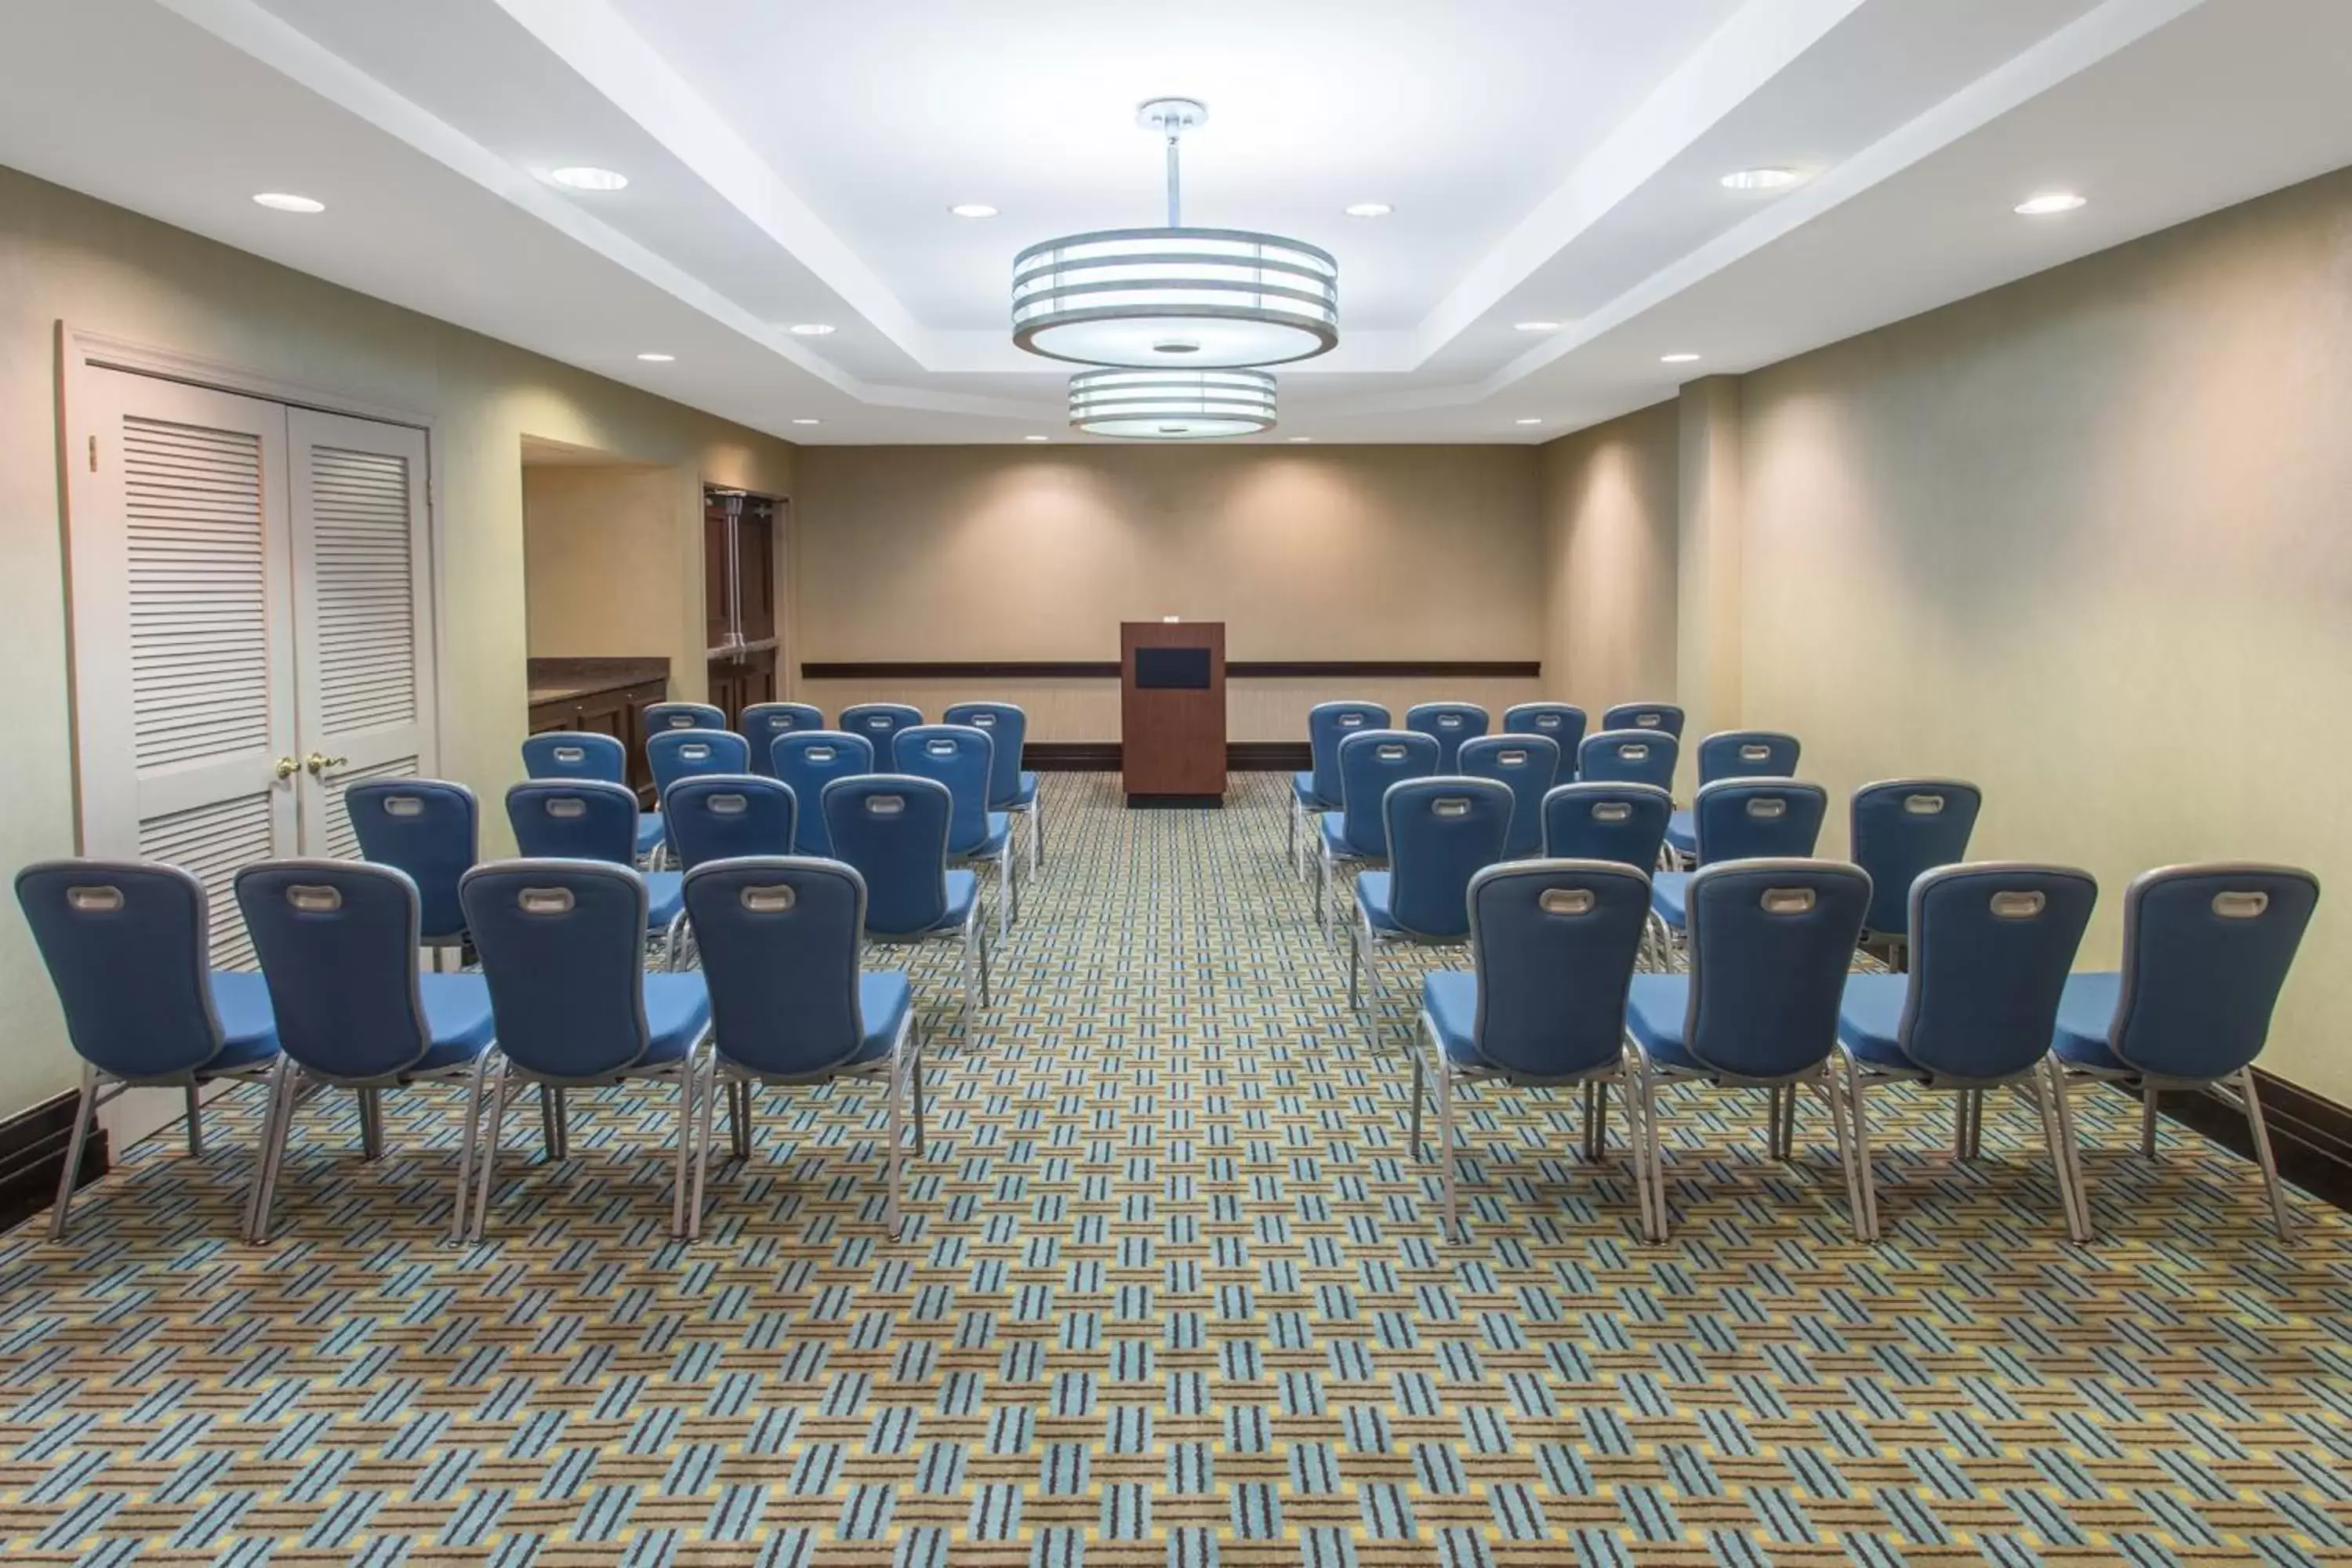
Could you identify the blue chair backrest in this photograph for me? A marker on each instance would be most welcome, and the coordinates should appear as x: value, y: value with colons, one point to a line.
x: 959, y: 757
x: 125, y: 942
x: 590, y: 820
x: 575, y: 754
x: 717, y: 817
x: 1328, y: 724
x: 1442, y: 832
x: 1759, y: 819
x: 2206, y: 948
x: 338, y: 942
x: 661, y: 716
x: 1371, y: 760
x: 1625, y: 823
x: 1561, y: 723
x: 1628, y: 757
x: 779, y: 939
x: 1905, y: 826
x: 1554, y: 943
x: 894, y: 828
x: 762, y: 722
x: 1007, y: 728
x: 563, y: 945
x: 878, y: 722
x: 429, y: 829
x: 1770, y: 942
x: 676, y: 754
x: 1746, y: 754
x: 808, y: 760
x: 1662, y: 716
x: 1524, y: 764
x: 1451, y: 723
x: 1990, y: 946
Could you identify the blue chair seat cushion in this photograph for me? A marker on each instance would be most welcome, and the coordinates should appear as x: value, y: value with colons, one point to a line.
x: 1450, y: 997
x: 1373, y: 892
x: 649, y: 831
x: 1869, y: 1019
x: 457, y: 1016
x: 248, y: 1029
x: 963, y: 896
x: 1334, y: 837
x: 1682, y: 832
x: 998, y: 835
x: 664, y: 897
x: 1655, y: 1009
x: 1302, y: 790
x: 883, y: 998
x: 2086, y: 1011
x: 1024, y: 793
x: 677, y: 1009
x: 1670, y: 896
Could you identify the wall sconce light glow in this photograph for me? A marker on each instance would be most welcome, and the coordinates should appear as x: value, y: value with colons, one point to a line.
x: 283, y: 202
x: 1535, y: 327
x: 1530, y: 421
x: 1297, y: 440
x: 2048, y: 202
x: 582, y: 177
x: 657, y: 358
x: 808, y: 421
x: 1677, y: 359
x: 811, y: 330
x: 1760, y: 179
x: 973, y: 209
x: 1370, y: 209
x: 1036, y: 438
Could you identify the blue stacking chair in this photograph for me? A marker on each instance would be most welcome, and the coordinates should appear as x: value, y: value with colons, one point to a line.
x: 584, y: 755
x: 1993, y: 942
x: 1741, y: 819
x: 591, y: 821
x: 1902, y: 827
x: 338, y: 942
x: 1552, y: 945
x: 429, y: 829
x: 674, y: 754
x: 1628, y: 757
x: 716, y: 816
x: 1733, y: 754
x: 127, y: 946
x: 2206, y: 950
x: 1769, y: 945
x: 763, y: 723
x: 661, y: 716
x: 1524, y: 765
x: 880, y: 723
x: 805, y: 762
x: 1316, y: 791
x: 1561, y: 723
x: 1662, y: 717
x: 562, y: 948
x: 1449, y: 724
x: 792, y: 1000
x: 1010, y: 790
x: 893, y: 827
x: 1356, y: 833
x: 1622, y: 822
x: 963, y: 758
x: 1441, y: 832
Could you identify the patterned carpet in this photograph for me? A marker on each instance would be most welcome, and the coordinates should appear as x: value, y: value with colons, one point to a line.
x: 1171, y: 1293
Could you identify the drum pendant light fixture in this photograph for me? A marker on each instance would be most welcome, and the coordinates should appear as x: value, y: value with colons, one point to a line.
x: 1172, y: 404
x: 1175, y: 297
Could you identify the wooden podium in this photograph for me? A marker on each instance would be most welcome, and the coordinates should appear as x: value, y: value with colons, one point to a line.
x: 1171, y: 712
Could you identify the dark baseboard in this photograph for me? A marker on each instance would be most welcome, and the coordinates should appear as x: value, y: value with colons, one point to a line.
x: 1268, y: 756
x: 33, y: 1152
x: 1175, y: 803
x: 1104, y: 756
x: 1236, y: 670
x: 2310, y: 1134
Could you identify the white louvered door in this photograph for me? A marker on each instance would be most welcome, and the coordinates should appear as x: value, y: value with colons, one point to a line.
x: 183, y: 630
x: 363, y: 613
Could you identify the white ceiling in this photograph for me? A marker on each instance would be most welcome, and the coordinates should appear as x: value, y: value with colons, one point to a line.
x: 794, y: 161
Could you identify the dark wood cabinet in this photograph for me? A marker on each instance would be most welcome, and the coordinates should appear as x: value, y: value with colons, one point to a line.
x: 607, y: 697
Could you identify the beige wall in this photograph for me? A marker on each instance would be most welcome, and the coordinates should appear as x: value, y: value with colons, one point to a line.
x: 1006, y: 553
x: 2086, y: 540
x: 97, y: 268
x: 594, y: 537
x: 1609, y: 506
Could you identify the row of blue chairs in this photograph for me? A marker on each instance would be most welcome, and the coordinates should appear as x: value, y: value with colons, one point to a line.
x: 1770, y: 1001
x: 562, y: 1001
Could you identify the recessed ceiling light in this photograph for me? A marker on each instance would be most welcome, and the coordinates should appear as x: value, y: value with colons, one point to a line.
x: 811, y: 330
x: 280, y: 201
x: 1370, y: 209
x: 581, y: 177
x: 2050, y: 201
x: 808, y: 421
x: 1536, y: 326
x: 1036, y: 438
x: 657, y: 358
x: 1760, y: 179
x: 1530, y: 421
x: 973, y: 209
x: 1676, y: 359
x: 1302, y: 438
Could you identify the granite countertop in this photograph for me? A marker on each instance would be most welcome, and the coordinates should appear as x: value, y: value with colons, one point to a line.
x: 561, y: 680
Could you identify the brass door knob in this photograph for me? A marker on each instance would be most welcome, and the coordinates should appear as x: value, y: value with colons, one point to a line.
x: 288, y: 767
x: 318, y: 765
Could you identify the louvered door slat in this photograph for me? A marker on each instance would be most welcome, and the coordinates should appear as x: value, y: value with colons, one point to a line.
x: 364, y: 570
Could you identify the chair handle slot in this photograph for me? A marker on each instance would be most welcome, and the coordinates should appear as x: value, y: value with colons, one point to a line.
x: 1922, y: 804
x: 1547, y: 720
x: 729, y: 804
x: 697, y: 752
x: 567, y: 806
x: 984, y: 721
x: 403, y: 805
x: 2240, y: 906
x: 1452, y: 805
x: 571, y: 753
x: 1389, y: 754
x: 1753, y: 752
x: 1788, y: 901
x: 885, y: 804
x: 678, y: 722
x: 1352, y: 721
x: 769, y: 901
x: 1768, y: 807
x: 1511, y: 759
x: 819, y: 754
x: 99, y: 900
x: 1567, y: 901
x: 1449, y: 720
x: 1611, y: 811
x: 1648, y: 720
x: 544, y: 900
x: 941, y: 748
x: 2019, y: 903
x: 313, y: 899
x: 1632, y: 752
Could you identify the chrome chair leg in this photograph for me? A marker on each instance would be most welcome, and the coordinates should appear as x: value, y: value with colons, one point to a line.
x: 276, y: 1129
x: 495, y: 1107
x: 2263, y: 1156
x: 2062, y: 1100
x: 471, y: 1134
x: 915, y: 1078
x: 701, y: 1112
x: 682, y: 1174
x: 1855, y: 1088
x: 85, y: 1107
x: 1420, y: 1087
x: 1445, y: 1151
x: 1842, y: 1133
x: 893, y: 1154
x: 2062, y: 1164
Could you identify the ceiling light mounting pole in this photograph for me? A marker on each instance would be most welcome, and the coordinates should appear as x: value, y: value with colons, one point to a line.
x: 1172, y: 117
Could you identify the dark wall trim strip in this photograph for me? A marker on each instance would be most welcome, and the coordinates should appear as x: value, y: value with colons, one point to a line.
x: 1236, y: 670
x: 1103, y: 756
x: 32, y: 1153
x: 2311, y: 1135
